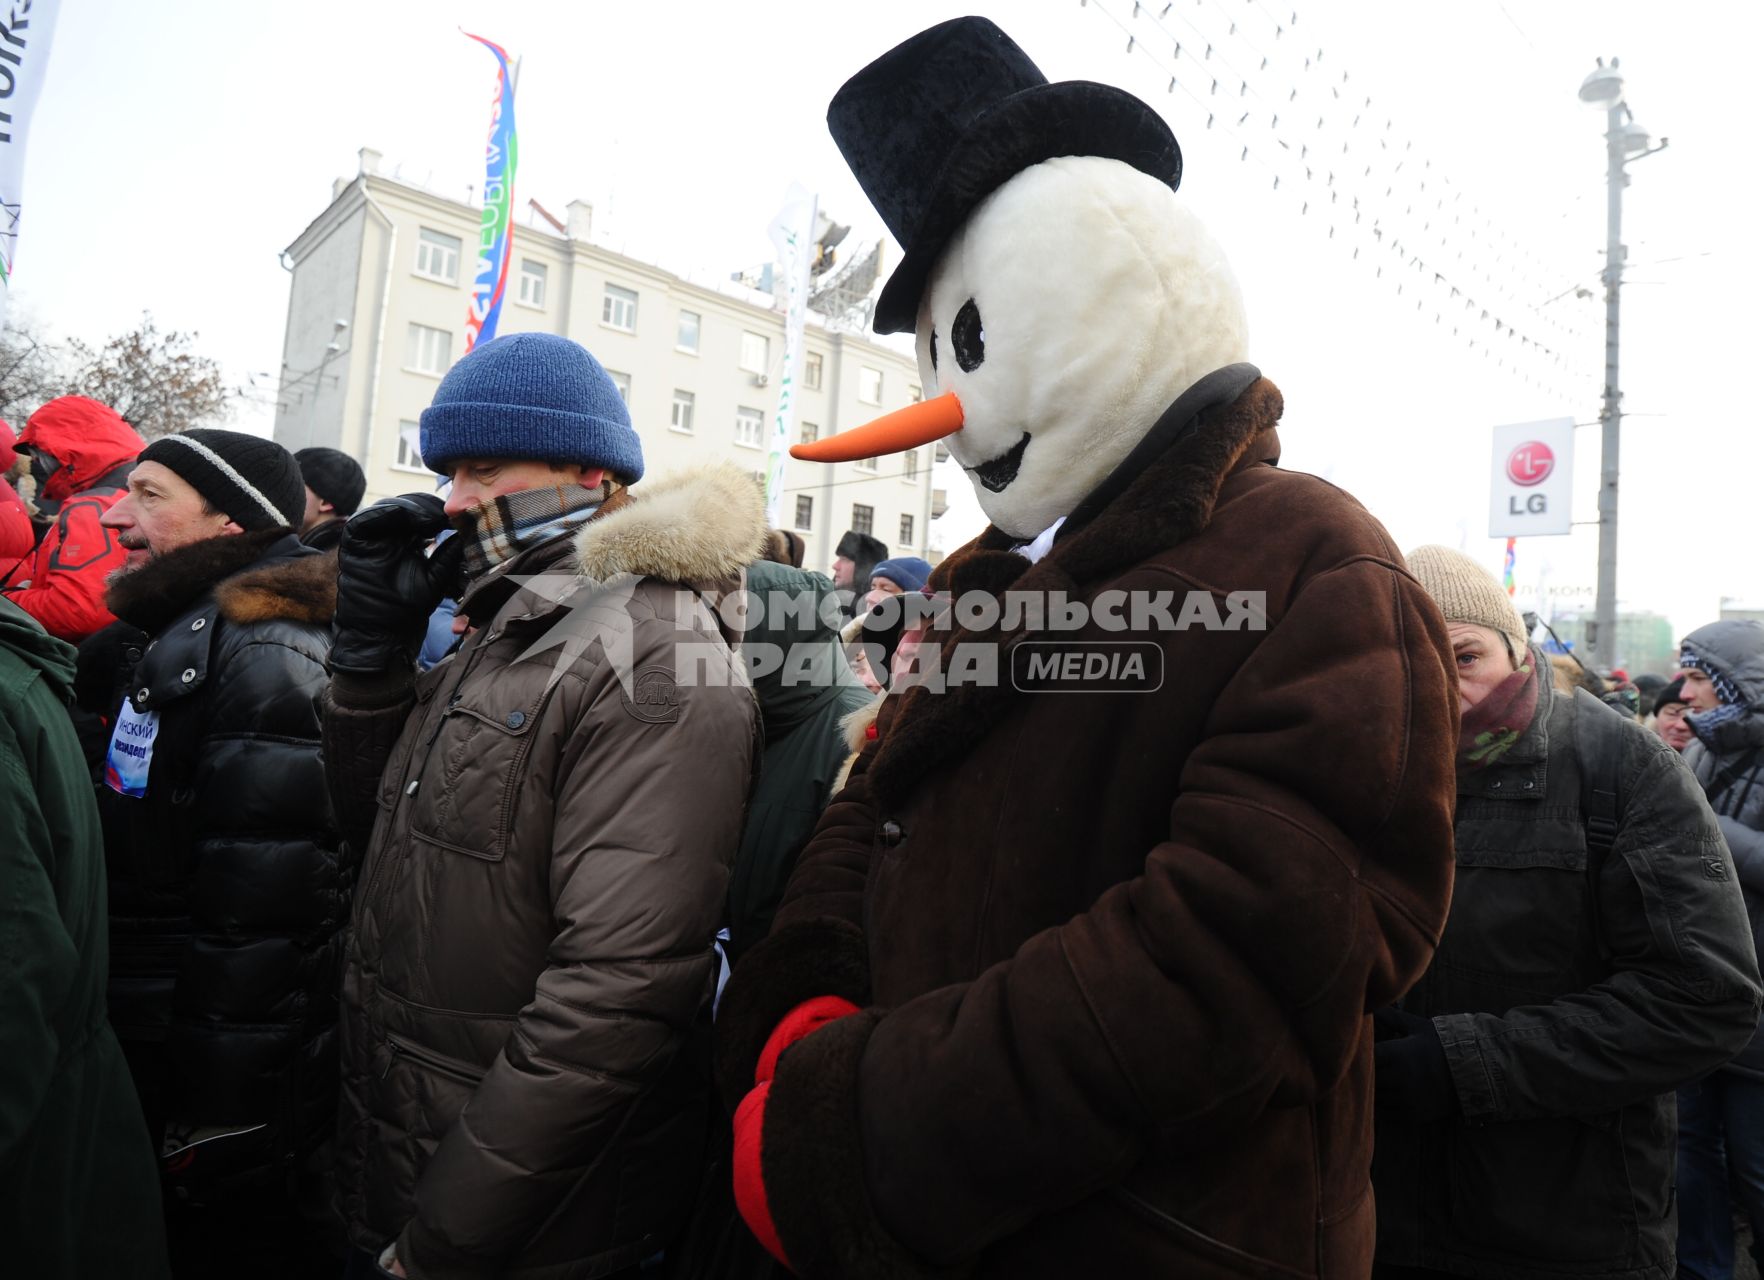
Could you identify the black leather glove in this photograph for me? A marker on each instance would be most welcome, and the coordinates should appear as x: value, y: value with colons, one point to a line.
x: 1413, y: 1075
x: 387, y: 587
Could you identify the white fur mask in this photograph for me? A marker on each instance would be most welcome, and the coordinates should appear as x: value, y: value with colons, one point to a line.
x: 1098, y: 299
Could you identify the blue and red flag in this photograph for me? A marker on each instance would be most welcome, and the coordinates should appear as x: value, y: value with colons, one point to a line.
x: 496, y: 223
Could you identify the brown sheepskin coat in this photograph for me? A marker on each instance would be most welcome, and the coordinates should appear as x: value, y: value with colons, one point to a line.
x: 1115, y: 952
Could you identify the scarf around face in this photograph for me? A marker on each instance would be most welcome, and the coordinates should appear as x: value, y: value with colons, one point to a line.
x: 496, y: 532
x: 1493, y: 725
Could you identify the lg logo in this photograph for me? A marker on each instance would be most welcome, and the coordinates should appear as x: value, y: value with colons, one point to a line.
x: 1530, y: 464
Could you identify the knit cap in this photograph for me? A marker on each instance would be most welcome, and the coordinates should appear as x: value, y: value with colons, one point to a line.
x: 255, y: 482
x: 1466, y: 592
x: 335, y: 476
x: 531, y: 397
x: 906, y: 572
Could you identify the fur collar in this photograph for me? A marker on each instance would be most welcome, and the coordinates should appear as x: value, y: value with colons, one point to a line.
x: 303, y: 589
x: 290, y: 584
x: 699, y: 526
x: 1170, y: 502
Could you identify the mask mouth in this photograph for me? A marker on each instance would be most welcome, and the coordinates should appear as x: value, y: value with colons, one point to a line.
x: 997, y: 473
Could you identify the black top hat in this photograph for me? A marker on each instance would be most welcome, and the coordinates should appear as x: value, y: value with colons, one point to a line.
x: 940, y: 122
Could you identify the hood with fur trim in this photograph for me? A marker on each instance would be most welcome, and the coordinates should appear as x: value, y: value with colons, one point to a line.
x: 699, y: 527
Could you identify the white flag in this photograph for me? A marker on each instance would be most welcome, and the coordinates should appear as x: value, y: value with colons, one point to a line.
x: 26, y: 27
x: 793, y: 232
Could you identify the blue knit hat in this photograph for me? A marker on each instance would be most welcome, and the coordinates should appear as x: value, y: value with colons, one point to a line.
x: 906, y: 572
x: 533, y: 397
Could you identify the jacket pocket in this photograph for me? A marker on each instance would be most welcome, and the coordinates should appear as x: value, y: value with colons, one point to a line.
x: 1520, y: 928
x: 463, y: 798
x: 1545, y: 1190
x: 399, y: 1049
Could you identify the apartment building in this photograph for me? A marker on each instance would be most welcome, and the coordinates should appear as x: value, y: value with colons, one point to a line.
x: 376, y: 315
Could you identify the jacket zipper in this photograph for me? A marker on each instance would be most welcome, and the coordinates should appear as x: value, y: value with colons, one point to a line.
x: 452, y: 702
x: 401, y: 1048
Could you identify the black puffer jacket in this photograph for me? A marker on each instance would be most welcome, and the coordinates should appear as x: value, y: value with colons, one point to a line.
x: 1728, y: 759
x: 1572, y: 991
x: 227, y: 893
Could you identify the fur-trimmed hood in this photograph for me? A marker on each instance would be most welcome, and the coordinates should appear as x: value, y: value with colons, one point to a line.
x: 702, y: 525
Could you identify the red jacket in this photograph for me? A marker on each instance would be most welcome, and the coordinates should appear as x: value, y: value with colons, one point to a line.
x: 17, y: 537
x: 62, y: 585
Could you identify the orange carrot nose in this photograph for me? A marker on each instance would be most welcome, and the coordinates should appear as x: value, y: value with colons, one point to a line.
x: 895, y: 432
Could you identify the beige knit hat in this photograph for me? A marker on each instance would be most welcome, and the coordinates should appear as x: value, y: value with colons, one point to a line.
x: 1466, y: 592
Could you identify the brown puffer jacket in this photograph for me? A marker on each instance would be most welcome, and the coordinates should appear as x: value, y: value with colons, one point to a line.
x: 526, y: 990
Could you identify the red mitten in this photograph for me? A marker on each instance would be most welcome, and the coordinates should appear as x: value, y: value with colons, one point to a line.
x: 808, y: 1017
x: 750, y: 1180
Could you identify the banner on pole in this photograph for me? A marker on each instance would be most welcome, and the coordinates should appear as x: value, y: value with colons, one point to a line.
x: 26, y: 28
x: 793, y: 233
x: 1531, y: 490
x: 496, y: 222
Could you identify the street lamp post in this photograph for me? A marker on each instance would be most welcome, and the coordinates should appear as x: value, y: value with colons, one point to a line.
x: 1624, y: 139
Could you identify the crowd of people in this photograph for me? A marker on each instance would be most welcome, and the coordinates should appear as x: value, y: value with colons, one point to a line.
x: 554, y: 877
x: 324, y: 960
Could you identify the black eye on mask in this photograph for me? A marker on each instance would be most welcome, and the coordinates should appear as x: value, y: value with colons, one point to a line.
x: 968, y: 336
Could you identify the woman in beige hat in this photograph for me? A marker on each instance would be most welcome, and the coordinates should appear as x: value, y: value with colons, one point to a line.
x: 1597, y: 955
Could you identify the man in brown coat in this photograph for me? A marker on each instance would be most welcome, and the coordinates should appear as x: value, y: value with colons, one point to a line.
x: 1074, y: 977
x: 554, y: 809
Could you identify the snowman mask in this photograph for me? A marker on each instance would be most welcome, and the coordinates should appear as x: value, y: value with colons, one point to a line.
x: 1075, y: 304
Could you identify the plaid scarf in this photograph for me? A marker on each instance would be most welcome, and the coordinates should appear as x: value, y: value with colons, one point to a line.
x: 496, y: 532
x: 1493, y: 725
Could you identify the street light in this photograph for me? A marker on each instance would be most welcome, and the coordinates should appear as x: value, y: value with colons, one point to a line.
x: 1624, y: 140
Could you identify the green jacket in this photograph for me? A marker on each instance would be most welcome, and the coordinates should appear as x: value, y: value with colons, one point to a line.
x: 79, y: 1193
x: 805, y: 688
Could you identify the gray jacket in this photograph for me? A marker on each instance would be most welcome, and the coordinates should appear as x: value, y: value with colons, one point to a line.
x: 1728, y: 759
x: 1572, y: 991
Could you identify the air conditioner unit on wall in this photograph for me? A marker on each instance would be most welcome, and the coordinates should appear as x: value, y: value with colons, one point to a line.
x: 761, y: 380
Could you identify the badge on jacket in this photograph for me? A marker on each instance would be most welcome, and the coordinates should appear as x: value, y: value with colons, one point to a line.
x: 131, y: 751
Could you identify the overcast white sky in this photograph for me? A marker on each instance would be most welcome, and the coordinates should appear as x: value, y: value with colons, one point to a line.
x: 179, y: 146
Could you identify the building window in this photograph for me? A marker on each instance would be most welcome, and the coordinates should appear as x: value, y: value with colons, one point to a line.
x: 863, y: 519
x: 618, y: 309
x: 686, y: 336
x: 410, y: 458
x: 811, y: 371
x: 623, y: 382
x: 810, y: 433
x: 906, y: 531
x: 756, y: 352
x: 909, y: 465
x: 428, y: 350
x: 437, y: 256
x: 750, y: 427
x: 870, y: 385
x: 805, y: 511
x: 868, y: 464
x: 683, y: 405
x: 532, y: 283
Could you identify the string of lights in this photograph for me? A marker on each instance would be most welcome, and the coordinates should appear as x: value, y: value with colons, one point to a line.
x: 1406, y: 170
x: 1447, y: 267
x: 1442, y: 244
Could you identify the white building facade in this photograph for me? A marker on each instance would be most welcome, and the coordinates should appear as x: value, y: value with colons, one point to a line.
x: 376, y: 315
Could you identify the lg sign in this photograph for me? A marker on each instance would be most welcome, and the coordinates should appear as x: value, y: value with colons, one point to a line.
x: 1530, y: 464
x: 1531, y: 479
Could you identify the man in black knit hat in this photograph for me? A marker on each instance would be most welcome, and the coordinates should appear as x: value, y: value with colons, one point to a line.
x: 334, y: 486
x: 227, y: 892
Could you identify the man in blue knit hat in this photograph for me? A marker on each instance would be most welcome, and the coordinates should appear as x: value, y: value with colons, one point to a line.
x: 547, y: 820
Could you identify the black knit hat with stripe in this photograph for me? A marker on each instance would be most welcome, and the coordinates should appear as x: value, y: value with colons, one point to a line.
x: 255, y: 482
